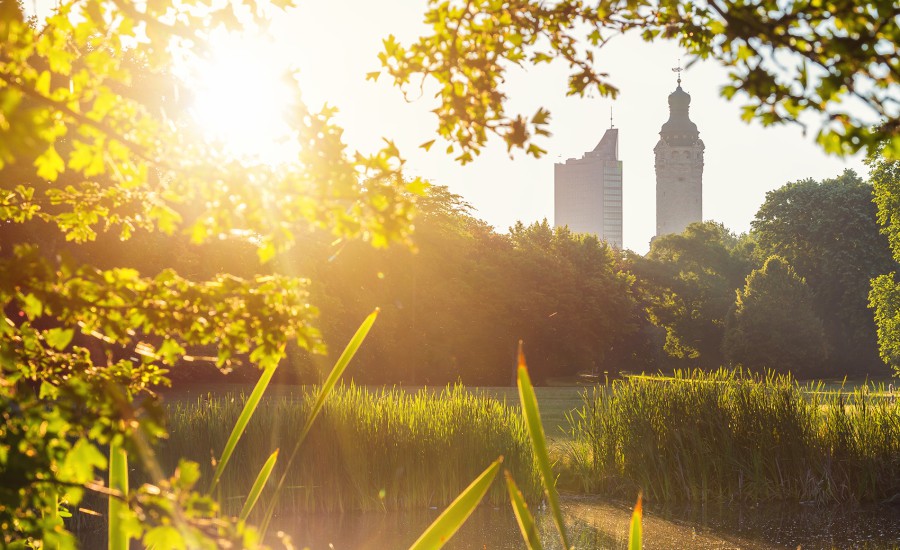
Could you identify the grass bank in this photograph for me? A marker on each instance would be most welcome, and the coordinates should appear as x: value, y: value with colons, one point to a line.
x: 386, y: 449
x: 732, y: 436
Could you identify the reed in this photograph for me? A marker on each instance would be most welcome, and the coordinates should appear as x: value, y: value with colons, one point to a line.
x: 730, y: 435
x: 369, y: 450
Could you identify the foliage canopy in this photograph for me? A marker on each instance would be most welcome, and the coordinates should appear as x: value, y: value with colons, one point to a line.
x: 827, y: 230
x: 837, y: 61
x: 96, y: 150
x: 773, y: 325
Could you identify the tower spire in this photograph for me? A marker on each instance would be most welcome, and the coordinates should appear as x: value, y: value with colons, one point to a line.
x: 678, y: 70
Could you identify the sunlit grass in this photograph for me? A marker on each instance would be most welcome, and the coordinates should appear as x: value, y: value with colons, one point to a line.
x: 729, y: 436
x: 369, y: 450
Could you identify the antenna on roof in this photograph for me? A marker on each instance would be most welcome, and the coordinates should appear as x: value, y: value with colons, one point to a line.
x: 611, y: 126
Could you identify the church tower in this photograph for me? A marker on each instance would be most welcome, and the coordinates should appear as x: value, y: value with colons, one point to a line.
x: 679, y: 168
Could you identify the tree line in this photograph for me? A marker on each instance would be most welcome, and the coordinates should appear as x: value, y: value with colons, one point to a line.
x: 791, y: 295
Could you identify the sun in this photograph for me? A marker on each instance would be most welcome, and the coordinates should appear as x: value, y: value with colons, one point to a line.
x: 242, y: 96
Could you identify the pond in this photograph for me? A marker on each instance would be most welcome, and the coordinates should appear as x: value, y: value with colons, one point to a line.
x: 597, y: 523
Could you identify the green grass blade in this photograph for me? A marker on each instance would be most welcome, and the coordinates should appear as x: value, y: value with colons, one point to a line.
x: 339, y: 369
x: 536, y: 432
x: 241, y: 424
x: 325, y: 390
x: 635, y: 532
x: 258, y: 485
x: 52, y: 513
x: 523, y: 515
x: 451, y: 519
x: 118, y: 481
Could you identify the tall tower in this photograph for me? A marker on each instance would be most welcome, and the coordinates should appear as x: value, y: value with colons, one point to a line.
x: 588, y: 191
x: 679, y: 168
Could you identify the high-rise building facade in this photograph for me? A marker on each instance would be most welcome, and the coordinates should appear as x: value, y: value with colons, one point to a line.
x: 588, y: 191
x: 679, y: 168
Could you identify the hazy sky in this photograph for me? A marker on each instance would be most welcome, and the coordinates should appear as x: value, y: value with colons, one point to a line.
x: 335, y: 43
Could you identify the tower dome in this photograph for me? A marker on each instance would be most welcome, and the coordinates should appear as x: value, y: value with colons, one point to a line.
x: 679, y: 129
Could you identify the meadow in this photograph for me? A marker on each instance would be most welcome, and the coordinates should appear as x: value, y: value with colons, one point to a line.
x: 723, y: 436
x: 731, y: 436
x: 384, y: 449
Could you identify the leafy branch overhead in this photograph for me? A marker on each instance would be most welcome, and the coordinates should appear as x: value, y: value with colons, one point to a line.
x: 108, y: 159
x: 835, y: 61
x: 96, y: 146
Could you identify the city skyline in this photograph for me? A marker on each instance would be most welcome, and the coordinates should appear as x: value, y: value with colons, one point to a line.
x: 504, y: 190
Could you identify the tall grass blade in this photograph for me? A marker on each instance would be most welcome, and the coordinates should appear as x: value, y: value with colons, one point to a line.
x: 242, y: 422
x: 635, y: 531
x: 523, y: 515
x: 118, y: 481
x: 52, y: 513
x: 258, y: 485
x: 324, y: 391
x: 536, y: 432
x: 446, y: 525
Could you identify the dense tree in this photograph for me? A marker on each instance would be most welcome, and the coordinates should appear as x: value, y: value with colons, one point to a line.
x: 885, y: 294
x: 445, y: 312
x: 573, y: 301
x: 828, y: 232
x: 453, y: 308
x: 773, y: 325
x: 688, y: 282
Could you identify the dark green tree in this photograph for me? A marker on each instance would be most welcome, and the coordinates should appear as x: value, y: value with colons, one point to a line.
x: 827, y: 230
x: 687, y: 283
x: 453, y: 307
x: 573, y: 300
x: 773, y: 325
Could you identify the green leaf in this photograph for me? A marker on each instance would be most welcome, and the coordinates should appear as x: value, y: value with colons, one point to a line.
x: 58, y: 338
x: 170, y: 351
x: 42, y: 84
x: 418, y: 186
x: 32, y: 306
x: 635, y: 531
x: 258, y: 485
x: 48, y: 390
x: 523, y: 514
x: 49, y: 164
x: 164, y: 537
x: 187, y: 474
x: 326, y: 389
x: 266, y: 251
x: 241, y: 424
x: 446, y: 525
x: 78, y: 466
x: 536, y: 432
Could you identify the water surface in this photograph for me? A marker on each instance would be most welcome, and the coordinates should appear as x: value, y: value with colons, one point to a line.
x: 595, y: 523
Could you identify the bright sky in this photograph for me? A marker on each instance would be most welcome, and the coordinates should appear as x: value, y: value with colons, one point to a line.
x: 335, y: 43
